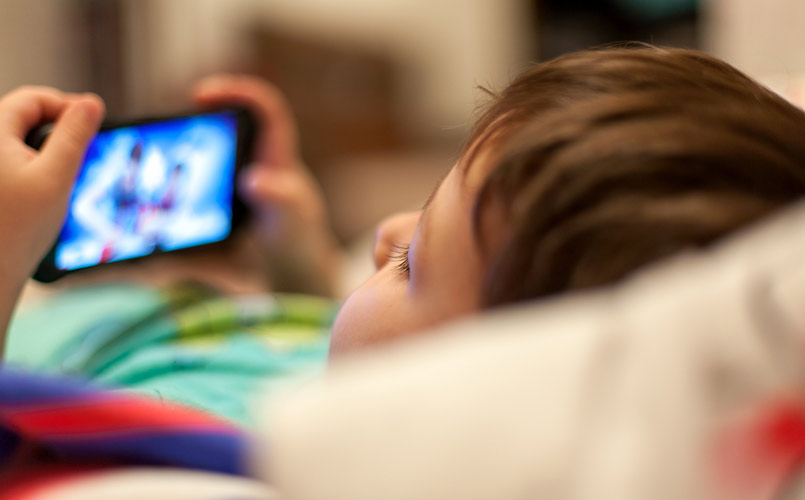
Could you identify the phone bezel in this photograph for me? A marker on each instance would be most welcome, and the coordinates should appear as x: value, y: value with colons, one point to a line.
x: 48, y: 272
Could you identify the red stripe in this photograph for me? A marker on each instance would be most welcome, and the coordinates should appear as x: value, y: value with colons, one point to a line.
x: 111, y: 415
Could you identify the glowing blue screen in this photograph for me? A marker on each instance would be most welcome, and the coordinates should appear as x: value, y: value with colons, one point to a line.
x: 164, y: 185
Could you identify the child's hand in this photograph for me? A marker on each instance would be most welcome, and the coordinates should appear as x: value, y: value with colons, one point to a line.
x: 293, y: 228
x: 35, y: 186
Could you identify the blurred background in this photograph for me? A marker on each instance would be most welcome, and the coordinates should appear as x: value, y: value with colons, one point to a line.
x: 384, y: 90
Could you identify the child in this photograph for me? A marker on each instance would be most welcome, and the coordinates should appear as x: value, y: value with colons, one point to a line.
x: 583, y: 170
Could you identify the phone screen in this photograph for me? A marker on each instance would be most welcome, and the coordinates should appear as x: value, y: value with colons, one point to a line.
x: 156, y: 186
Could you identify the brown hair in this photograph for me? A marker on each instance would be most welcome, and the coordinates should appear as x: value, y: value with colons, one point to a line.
x: 608, y: 160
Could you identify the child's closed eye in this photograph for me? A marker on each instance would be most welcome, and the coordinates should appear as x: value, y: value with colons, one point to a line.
x: 399, y: 255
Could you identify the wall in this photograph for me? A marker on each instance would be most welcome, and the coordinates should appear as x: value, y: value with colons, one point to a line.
x: 449, y: 46
x: 760, y: 37
x: 38, y: 46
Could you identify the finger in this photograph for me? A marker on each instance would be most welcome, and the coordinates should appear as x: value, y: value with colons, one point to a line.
x: 264, y: 186
x: 278, y: 144
x: 24, y: 108
x: 65, y: 147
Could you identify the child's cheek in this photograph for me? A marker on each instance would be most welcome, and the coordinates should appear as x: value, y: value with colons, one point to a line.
x: 373, y: 313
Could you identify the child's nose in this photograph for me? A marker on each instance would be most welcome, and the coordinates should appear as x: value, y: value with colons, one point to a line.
x: 397, y: 229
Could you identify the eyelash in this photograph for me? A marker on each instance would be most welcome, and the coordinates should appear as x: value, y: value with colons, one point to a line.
x: 399, y: 254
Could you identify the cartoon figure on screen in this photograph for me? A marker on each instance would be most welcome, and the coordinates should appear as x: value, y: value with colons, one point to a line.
x: 167, y: 204
x: 124, y: 192
x: 125, y: 200
x: 110, y: 210
x: 169, y: 195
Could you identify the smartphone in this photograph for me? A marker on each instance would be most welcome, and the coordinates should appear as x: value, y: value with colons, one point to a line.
x: 150, y: 186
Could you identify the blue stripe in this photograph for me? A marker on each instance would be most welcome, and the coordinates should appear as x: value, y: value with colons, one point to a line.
x: 21, y: 389
x: 224, y: 453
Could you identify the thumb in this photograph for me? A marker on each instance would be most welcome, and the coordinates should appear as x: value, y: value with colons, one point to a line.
x: 77, y: 125
x: 262, y: 186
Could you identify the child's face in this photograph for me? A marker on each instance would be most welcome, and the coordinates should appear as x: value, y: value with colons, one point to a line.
x: 445, y: 266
